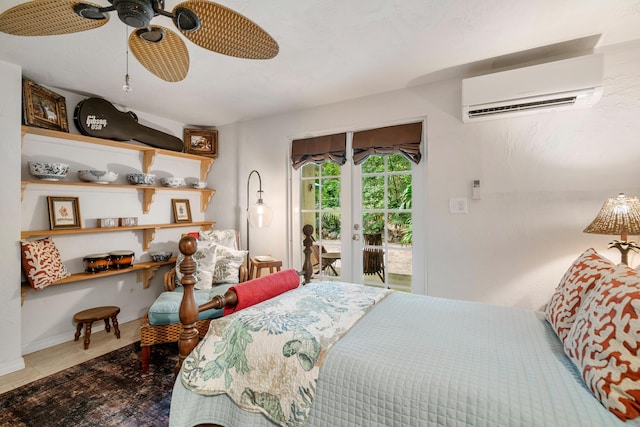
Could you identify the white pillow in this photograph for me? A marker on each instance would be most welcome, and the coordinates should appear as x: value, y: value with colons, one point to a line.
x: 228, y: 261
x: 205, y: 258
x: 221, y: 237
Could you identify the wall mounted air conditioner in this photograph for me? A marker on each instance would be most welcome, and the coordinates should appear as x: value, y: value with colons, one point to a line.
x: 559, y: 85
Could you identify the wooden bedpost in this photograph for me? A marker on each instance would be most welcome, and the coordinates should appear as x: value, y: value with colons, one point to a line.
x: 189, y: 336
x: 188, y: 309
x: 307, y: 266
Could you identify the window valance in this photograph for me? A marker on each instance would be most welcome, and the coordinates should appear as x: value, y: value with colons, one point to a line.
x: 319, y: 149
x: 403, y: 139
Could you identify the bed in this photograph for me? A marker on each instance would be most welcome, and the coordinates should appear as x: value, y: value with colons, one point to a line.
x: 414, y: 360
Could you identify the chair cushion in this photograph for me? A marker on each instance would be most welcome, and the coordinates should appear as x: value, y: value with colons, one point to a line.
x: 165, y: 309
x: 221, y: 237
x: 228, y: 261
x: 205, y: 258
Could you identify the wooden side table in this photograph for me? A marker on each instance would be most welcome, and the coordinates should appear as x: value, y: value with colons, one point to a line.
x: 87, y: 317
x: 256, y: 266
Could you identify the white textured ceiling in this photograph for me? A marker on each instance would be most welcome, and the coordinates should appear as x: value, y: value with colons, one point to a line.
x: 330, y: 50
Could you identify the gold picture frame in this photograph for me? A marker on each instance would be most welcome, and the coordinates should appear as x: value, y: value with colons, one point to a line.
x: 64, y: 212
x: 181, y: 210
x: 203, y: 142
x: 43, y: 107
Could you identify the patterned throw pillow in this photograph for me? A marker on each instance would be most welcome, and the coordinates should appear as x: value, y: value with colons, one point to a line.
x: 603, y: 342
x: 221, y: 237
x: 576, y: 283
x: 205, y: 258
x: 41, y: 263
x: 228, y: 261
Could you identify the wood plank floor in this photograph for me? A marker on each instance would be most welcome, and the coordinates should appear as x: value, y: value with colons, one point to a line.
x: 45, y: 362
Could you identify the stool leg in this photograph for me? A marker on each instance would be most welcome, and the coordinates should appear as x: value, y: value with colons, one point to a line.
x: 78, y: 330
x: 87, y: 334
x: 106, y: 325
x: 116, y: 330
x: 258, y: 272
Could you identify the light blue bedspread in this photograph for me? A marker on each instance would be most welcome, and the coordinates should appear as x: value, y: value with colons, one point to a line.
x: 425, y: 361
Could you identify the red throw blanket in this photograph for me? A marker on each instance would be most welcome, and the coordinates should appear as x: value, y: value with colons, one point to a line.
x: 261, y: 289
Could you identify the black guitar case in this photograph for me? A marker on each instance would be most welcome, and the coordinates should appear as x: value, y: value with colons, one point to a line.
x: 97, y: 117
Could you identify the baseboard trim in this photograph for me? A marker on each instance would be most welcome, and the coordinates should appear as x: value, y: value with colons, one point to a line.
x: 68, y: 336
x: 12, y: 366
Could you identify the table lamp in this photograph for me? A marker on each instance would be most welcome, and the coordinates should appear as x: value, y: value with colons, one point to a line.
x: 619, y: 216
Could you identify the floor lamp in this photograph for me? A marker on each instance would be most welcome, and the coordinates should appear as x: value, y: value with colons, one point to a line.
x: 258, y: 215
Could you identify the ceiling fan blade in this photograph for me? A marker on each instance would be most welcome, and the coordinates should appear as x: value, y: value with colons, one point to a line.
x: 46, y: 18
x: 167, y: 58
x: 225, y: 31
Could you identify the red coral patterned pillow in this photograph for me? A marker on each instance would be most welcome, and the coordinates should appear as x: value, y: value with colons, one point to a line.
x: 603, y: 342
x: 41, y: 262
x: 576, y: 283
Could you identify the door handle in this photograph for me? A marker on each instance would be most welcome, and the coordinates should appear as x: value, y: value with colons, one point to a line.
x: 356, y: 236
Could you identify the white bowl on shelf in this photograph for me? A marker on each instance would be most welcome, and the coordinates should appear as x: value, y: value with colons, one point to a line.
x: 172, y: 182
x: 199, y: 184
x: 141, y: 178
x: 48, y: 171
x: 99, y: 177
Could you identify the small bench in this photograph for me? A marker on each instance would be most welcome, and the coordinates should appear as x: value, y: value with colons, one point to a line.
x: 87, y: 317
x: 256, y: 266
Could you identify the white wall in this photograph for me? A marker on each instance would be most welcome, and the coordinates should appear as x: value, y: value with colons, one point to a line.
x: 544, y: 178
x: 10, y: 327
x: 45, y: 319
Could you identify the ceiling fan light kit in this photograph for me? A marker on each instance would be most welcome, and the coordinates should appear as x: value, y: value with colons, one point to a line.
x: 161, y: 51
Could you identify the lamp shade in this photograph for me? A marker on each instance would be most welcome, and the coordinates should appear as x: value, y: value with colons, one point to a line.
x: 619, y: 215
x: 260, y: 214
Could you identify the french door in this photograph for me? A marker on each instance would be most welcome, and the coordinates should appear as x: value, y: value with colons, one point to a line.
x: 363, y: 217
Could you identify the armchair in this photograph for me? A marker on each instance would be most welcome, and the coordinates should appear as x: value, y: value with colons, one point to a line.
x: 161, y: 324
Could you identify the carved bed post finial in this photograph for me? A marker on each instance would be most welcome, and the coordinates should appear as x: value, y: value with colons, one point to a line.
x: 188, y: 309
x: 307, y: 266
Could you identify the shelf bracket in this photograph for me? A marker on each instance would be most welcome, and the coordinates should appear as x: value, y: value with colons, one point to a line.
x: 149, y: 235
x: 23, y: 185
x: 148, y: 196
x: 205, y: 167
x: 147, y: 275
x: 149, y: 157
x: 205, y: 199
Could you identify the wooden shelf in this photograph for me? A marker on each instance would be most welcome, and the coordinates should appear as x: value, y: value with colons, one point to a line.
x: 145, y: 271
x: 148, y: 229
x: 149, y: 153
x: 149, y: 191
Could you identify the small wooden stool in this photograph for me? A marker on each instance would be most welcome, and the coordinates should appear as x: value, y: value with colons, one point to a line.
x: 256, y: 267
x: 87, y: 317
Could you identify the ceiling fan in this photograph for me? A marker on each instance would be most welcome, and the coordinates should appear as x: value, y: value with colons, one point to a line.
x: 160, y: 50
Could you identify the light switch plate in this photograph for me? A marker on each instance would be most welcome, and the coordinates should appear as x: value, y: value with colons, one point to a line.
x: 458, y: 205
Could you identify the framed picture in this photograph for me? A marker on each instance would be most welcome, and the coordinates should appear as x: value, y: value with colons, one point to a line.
x: 181, y: 210
x: 64, y: 212
x: 203, y: 142
x: 43, y: 108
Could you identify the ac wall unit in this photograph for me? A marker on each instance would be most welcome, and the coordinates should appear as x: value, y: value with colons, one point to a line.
x: 559, y: 85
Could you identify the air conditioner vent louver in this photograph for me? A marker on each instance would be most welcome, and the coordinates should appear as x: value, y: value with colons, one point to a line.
x: 523, y: 106
x: 559, y: 85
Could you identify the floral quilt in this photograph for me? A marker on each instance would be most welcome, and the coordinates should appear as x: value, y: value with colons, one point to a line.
x: 267, y: 357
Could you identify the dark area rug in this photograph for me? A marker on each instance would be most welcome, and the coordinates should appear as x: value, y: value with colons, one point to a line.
x: 109, y: 390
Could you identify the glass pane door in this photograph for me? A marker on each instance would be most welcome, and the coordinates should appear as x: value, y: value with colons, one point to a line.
x: 320, y: 195
x: 386, y: 220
